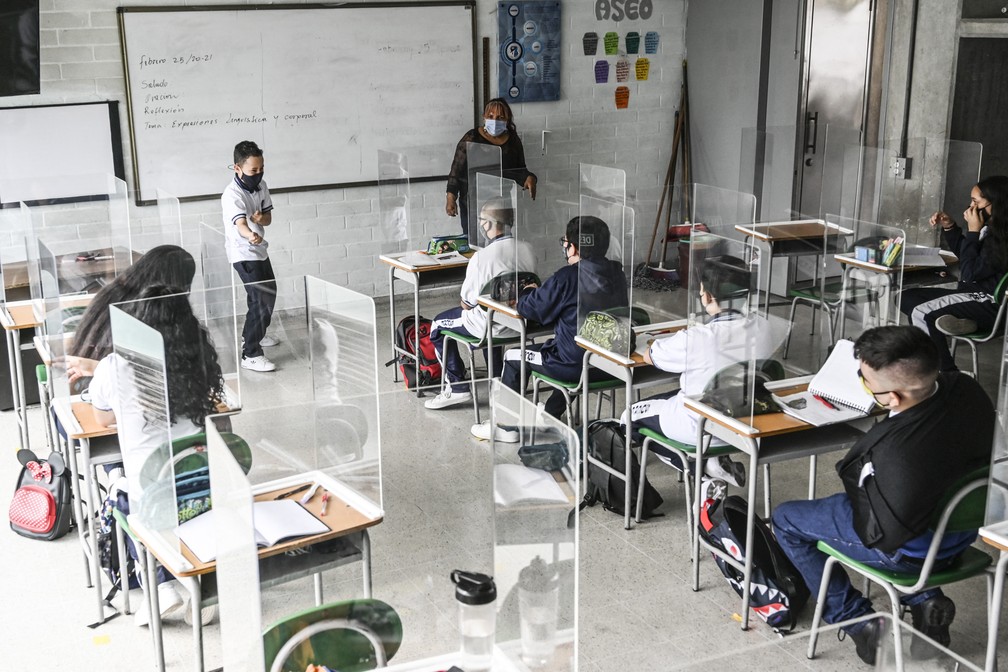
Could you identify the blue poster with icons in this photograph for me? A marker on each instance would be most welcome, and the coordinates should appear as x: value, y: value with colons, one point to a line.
x: 529, y: 37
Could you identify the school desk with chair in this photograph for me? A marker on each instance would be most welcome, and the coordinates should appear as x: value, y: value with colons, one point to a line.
x: 421, y: 271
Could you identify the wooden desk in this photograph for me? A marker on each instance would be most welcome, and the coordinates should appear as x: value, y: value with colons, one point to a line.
x: 769, y: 438
x: 349, y: 516
x: 403, y: 266
x: 793, y: 239
x: 78, y: 421
x: 636, y: 375
x: 995, y: 535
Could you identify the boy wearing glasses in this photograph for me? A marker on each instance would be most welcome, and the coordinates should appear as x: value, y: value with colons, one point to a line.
x: 601, y: 285
x: 501, y: 254
x: 940, y: 427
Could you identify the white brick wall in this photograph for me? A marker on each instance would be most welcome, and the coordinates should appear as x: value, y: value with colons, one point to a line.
x: 335, y: 233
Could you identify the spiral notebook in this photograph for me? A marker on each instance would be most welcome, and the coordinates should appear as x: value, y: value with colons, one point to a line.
x: 838, y: 381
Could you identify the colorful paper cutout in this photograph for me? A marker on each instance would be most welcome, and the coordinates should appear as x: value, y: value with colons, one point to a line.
x: 601, y: 71
x: 622, y: 70
x: 651, y: 42
x: 632, y: 42
x: 611, y: 42
x: 641, y: 67
x: 590, y: 42
x: 622, y: 97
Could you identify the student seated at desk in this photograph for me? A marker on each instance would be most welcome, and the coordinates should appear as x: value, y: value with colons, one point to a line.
x: 92, y: 340
x: 195, y: 386
x: 983, y: 260
x: 939, y: 429
x: 501, y: 254
x: 598, y: 281
x: 699, y: 353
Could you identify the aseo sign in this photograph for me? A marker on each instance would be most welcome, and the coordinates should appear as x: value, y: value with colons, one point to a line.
x: 617, y: 10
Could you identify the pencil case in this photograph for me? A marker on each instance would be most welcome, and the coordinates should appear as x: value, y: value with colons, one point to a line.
x: 443, y: 244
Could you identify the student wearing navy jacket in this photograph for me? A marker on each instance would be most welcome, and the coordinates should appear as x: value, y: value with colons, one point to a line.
x: 600, y: 284
x: 983, y: 259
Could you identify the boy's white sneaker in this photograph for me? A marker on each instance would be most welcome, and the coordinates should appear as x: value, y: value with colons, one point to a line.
x: 482, y: 431
x: 169, y: 600
x: 447, y: 399
x: 259, y: 363
x: 269, y: 341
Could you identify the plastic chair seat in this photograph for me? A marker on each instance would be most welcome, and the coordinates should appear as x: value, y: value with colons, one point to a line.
x: 570, y: 390
x: 472, y: 344
x: 969, y: 563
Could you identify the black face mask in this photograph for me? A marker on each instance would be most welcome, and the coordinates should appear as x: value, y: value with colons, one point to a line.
x: 251, y: 182
x: 984, y: 215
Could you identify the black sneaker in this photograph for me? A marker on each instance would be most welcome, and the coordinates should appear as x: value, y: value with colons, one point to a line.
x: 866, y: 640
x: 932, y: 618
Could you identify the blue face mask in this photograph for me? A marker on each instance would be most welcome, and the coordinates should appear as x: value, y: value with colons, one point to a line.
x: 495, y: 127
x: 251, y: 182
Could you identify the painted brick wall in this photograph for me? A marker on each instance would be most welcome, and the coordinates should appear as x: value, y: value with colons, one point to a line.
x: 334, y: 234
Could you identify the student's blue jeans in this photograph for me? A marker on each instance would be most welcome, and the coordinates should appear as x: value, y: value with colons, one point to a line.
x: 447, y: 350
x: 261, y: 300
x: 798, y: 525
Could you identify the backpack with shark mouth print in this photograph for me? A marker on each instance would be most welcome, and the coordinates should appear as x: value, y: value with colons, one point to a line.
x: 778, y: 591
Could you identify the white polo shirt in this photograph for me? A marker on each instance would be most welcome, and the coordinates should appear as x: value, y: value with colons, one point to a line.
x: 114, y: 388
x: 238, y: 202
x: 503, y: 254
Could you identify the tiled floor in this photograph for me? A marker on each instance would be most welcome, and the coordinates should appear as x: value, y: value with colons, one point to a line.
x: 637, y: 611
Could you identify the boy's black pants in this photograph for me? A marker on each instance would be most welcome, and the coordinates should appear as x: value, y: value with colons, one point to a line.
x: 261, y: 300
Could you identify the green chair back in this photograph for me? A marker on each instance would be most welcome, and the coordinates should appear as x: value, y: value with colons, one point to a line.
x: 338, y: 648
x: 969, y: 513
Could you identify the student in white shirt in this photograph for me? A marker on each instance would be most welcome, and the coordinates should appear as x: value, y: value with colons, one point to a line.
x: 698, y: 354
x: 501, y: 254
x: 248, y: 210
x: 119, y: 396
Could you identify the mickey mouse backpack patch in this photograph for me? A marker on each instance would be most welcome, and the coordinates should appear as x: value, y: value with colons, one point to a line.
x: 42, y: 501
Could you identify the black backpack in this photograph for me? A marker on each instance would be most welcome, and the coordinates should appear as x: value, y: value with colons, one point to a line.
x: 777, y: 590
x: 430, y: 370
x: 42, y: 504
x: 108, y: 549
x: 607, y: 443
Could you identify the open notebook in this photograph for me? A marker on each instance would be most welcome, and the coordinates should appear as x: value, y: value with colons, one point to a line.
x: 835, y: 393
x: 274, y: 521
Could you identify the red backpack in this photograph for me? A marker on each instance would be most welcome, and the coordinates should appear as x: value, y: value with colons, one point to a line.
x: 406, y: 334
x: 42, y: 501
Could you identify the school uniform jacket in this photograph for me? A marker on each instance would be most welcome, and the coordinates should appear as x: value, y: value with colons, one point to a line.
x: 601, y: 285
x: 977, y: 270
x: 896, y: 474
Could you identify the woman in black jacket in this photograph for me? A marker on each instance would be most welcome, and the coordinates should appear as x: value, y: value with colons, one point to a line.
x: 983, y: 260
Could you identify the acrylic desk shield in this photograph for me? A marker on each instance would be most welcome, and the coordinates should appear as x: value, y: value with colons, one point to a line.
x: 92, y: 242
x: 730, y: 345
x: 213, y: 269
x: 168, y: 228
x: 535, y: 537
x: 997, y: 496
x: 394, y: 204
x: 317, y: 423
x: 871, y: 274
x: 16, y: 226
x: 483, y: 167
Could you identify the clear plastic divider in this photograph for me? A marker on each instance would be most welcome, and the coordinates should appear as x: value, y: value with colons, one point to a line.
x: 535, y: 491
x: 959, y: 162
x: 605, y: 251
x: 483, y: 167
x: 394, y: 205
x: 15, y: 227
x: 731, y: 345
x: 212, y: 266
x: 872, y: 274
x: 169, y: 224
x: 237, y: 558
x: 767, y: 169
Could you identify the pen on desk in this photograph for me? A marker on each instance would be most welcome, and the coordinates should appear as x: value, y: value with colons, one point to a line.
x: 325, y: 502
x: 296, y: 490
x: 825, y: 403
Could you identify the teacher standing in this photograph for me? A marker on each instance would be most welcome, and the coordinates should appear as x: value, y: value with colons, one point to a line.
x: 498, y: 129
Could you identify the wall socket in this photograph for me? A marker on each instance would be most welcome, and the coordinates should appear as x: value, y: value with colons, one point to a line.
x: 900, y: 167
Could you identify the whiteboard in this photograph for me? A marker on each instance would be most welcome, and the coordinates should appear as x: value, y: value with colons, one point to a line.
x: 319, y: 88
x: 59, y: 153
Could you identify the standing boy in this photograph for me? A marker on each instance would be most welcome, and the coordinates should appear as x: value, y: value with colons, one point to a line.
x: 247, y: 211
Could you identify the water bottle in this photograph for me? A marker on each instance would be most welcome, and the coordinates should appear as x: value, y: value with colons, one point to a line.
x: 538, y: 591
x: 477, y: 599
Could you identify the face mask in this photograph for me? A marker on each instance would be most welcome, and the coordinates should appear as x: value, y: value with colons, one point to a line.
x: 251, y: 182
x: 495, y: 127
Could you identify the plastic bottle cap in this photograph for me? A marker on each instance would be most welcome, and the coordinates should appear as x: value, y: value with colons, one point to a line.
x: 473, y: 587
x: 538, y: 576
